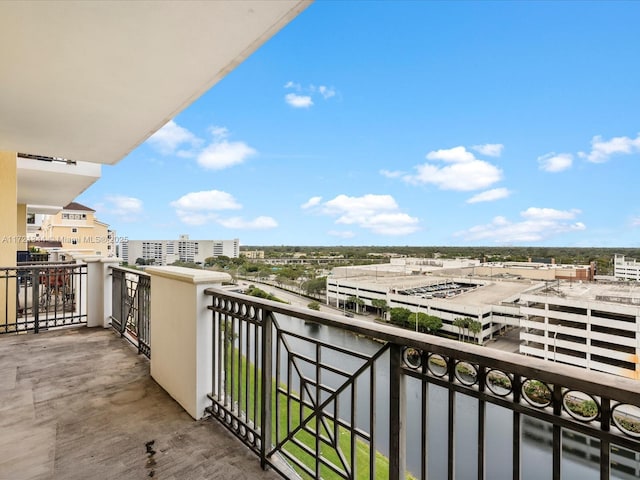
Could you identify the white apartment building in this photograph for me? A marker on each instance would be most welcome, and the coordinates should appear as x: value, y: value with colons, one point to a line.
x: 626, y: 268
x: 593, y: 326
x: 166, y: 252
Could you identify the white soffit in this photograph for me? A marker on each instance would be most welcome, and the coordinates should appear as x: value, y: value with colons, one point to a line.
x: 53, y: 183
x: 91, y: 80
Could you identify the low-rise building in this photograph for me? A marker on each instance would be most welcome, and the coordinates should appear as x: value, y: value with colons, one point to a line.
x: 492, y: 303
x: 586, y: 324
x: 77, y: 230
x: 252, y: 254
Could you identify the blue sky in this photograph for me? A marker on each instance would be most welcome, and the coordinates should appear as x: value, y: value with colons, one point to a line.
x: 405, y: 123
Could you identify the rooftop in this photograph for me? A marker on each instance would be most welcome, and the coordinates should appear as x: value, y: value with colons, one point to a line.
x: 617, y: 292
x: 79, y: 403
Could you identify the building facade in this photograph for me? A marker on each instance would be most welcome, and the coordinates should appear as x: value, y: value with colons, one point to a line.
x: 493, y: 304
x: 584, y: 324
x: 253, y: 254
x: 594, y: 328
x: 78, y: 231
x: 626, y: 268
x: 166, y: 252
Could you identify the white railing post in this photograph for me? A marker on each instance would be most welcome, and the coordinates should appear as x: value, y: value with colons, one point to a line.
x: 96, y: 290
x: 181, y: 334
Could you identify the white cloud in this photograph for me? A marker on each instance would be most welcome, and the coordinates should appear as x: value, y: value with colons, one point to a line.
x: 196, y: 218
x: 549, y: 213
x: 537, y: 224
x: 555, y: 162
x: 306, y: 95
x: 126, y: 204
x: 391, y: 224
x: 378, y: 213
x: 452, y: 155
x: 171, y: 136
x: 391, y: 174
x: 603, y: 150
x: 489, y: 149
x: 223, y: 154
x: 326, y: 92
x: 219, y: 132
x: 635, y: 221
x: 217, y: 155
x: 490, y: 195
x: 341, y: 233
x: 126, y: 209
x: 464, y: 173
x: 298, y: 101
x: 295, y: 86
x: 200, y: 208
x: 206, y: 201
x: 258, y: 223
x: 312, y: 202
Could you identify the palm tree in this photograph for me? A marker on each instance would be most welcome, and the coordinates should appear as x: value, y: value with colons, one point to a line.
x: 475, y: 327
x: 460, y: 323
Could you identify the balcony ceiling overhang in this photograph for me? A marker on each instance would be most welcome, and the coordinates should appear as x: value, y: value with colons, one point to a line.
x: 90, y: 81
x: 53, y: 183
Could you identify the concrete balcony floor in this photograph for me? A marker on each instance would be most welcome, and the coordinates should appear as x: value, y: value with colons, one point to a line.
x: 80, y: 403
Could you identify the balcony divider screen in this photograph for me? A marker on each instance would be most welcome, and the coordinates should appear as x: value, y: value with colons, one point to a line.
x: 131, y: 299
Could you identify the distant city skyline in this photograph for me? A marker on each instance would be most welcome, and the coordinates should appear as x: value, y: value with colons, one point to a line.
x: 405, y: 123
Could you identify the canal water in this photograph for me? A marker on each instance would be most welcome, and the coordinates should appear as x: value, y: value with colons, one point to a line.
x: 580, y: 454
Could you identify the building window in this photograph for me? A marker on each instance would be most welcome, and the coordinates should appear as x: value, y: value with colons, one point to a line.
x: 74, y: 241
x: 74, y: 230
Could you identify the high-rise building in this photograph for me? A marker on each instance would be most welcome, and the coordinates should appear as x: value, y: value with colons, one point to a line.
x: 166, y: 252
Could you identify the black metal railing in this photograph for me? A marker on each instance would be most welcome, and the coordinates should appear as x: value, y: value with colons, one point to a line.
x: 131, y: 301
x: 42, y: 296
x: 317, y: 396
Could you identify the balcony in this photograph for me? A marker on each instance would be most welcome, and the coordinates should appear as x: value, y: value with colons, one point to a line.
x: 305, y: 394
x: 79, y: 403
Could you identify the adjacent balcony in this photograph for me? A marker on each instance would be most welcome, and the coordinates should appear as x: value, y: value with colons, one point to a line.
x: 221, y: 385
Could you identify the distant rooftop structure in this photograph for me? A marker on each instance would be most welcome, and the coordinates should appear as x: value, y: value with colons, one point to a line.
x: 626, y: 268
x: 78, y: 206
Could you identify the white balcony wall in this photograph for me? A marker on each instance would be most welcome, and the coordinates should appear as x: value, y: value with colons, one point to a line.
x: 181, y: 334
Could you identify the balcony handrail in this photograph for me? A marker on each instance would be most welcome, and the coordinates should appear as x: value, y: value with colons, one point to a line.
x: 45, y: 264
x: 622, y: 389
x: 131, y: 270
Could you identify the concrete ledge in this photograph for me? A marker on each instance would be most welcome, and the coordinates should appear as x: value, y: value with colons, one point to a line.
x: 189, y: 275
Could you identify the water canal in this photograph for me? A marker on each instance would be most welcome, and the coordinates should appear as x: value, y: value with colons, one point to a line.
x: 580, y: 454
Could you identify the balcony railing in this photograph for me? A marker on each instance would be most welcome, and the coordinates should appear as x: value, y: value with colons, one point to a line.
x: 317, y: 396
x: 41, y: 296
x: 131, y: 291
